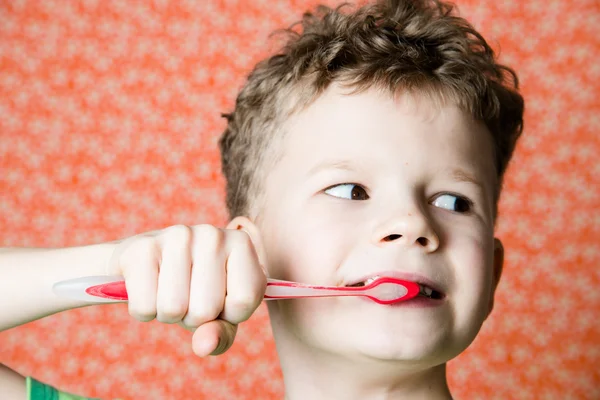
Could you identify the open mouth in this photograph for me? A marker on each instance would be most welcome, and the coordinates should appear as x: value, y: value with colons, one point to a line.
x: 425, y: 291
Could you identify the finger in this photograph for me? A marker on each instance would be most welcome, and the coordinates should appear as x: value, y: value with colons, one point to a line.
x: 246, y: 280
x: 207, y: 285
x: 140, y: 270
x: 213, y: 338
x: 174, y: 275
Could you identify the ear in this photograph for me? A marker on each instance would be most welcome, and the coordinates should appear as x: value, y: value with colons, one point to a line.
x: 497, y: 270
x: 246, y: 225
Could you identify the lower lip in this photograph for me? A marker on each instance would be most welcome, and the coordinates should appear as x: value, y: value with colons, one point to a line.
x: 415, y: 302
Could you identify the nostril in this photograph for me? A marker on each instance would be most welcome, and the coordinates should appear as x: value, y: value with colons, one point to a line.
x: 392, y: 237
x: 423, y: 241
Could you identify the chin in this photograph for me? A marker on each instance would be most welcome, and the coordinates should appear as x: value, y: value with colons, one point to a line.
x: 425, y: 350
x: 412, y: 337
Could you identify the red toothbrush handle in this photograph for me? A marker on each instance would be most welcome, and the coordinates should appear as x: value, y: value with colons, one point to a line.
x: 112, y: 291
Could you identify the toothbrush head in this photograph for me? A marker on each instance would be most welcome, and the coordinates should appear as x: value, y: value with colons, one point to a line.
x: 387, y: 291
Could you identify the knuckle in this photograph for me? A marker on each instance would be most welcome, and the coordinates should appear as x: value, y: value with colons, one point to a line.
x: 142, y: 312
x: 172, y: 312
x: 142, y: 259
x: 145, y: 243
x: 179, y: 233
x: 209, y: 236
x: 189, y: 324
x: 241, y: 307
x: 173, y: 309
x: 243, y: 240
x: 197, y: 317
x: 141, y: 247
x: 244, y: 247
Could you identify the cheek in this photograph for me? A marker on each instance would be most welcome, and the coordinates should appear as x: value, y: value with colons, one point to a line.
x: 308, y: 245
x: 473, y: 262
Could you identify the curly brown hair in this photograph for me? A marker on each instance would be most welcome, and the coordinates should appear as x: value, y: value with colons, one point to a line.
x: 415, y: 46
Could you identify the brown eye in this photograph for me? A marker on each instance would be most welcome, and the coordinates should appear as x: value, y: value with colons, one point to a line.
x: 453, y: 203
x: 359, y: 193
x: 348, y: 191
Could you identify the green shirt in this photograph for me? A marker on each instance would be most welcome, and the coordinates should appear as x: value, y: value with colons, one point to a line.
x: 39, y: 391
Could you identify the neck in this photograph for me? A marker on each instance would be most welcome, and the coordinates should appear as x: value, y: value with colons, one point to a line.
x: 311, y: 373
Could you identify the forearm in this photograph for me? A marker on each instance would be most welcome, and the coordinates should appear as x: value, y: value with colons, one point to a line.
x: 27, y: 276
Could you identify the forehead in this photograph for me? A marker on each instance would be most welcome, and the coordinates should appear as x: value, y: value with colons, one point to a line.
x: 384, y: 131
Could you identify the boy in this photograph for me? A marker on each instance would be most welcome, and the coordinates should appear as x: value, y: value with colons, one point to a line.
x: 373, y: 145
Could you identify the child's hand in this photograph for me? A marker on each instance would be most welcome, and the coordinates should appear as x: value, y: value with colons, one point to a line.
x: 205, y: 278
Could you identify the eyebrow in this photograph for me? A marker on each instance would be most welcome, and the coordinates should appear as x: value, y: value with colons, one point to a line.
x: 332, y: 164
x: 460, y: 175
x: 457, y: 174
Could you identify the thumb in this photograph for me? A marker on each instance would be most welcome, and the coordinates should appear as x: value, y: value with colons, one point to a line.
x: 213, y: 338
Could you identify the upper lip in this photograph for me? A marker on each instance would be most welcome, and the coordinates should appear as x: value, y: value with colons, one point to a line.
x: 407, y: 276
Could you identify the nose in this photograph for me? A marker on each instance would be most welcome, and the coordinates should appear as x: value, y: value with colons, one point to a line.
x: 410, y: 229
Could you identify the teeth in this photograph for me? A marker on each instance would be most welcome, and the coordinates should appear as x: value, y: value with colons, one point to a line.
x: 427, y: 290
x: 365, y: 283
x: 371, y: 280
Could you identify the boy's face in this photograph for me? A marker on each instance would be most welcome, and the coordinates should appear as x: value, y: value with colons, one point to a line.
x: 371, y: 185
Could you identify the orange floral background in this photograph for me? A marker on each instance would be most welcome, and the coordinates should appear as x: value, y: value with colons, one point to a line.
x: 109, y: 117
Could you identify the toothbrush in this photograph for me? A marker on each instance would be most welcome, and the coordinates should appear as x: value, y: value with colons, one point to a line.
x: 383, y: 290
